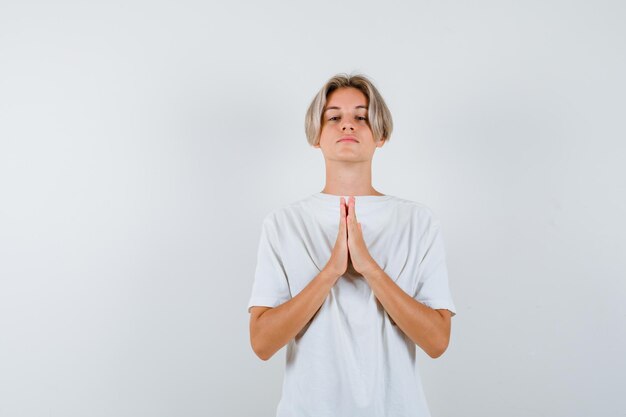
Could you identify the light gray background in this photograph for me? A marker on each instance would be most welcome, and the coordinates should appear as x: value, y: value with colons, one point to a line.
x: 142, y: 143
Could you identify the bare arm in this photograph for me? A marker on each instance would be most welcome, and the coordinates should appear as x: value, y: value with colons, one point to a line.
x: 426, y: 327
x: 272, y: 328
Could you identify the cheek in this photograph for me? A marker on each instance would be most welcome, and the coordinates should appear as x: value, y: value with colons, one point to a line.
x: 325, y: 131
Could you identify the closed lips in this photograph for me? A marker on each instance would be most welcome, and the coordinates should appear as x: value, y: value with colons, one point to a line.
x: 348, y: 139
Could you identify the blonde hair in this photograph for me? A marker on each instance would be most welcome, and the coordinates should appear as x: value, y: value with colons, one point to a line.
x: 379, y: 116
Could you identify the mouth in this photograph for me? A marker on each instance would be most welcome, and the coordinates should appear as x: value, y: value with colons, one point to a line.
x: 348, y: 139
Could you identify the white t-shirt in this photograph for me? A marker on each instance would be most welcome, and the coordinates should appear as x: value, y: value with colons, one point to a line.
x: 351, y: 359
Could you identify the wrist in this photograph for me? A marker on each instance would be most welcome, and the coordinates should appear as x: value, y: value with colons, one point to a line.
x: 329, y: 274
x: 372, y: 270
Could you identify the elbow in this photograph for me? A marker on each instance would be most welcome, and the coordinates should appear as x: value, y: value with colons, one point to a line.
x: 262, y: 355
x: 436, y: 354
x: 440, y: 342
x: 439, y: 349
x: 260, y: 352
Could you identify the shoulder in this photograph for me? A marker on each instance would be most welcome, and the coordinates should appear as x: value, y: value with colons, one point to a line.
x: 418, y: 211
x: 284, y: 212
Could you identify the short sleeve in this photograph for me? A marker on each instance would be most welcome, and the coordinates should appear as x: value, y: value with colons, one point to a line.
x: 432, y: 287
x: 270, y: 287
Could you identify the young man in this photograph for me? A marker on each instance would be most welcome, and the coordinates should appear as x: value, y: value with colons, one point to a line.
x: 351, y: 295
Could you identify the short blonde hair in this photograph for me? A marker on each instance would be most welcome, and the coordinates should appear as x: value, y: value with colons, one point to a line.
x: 379, y: 116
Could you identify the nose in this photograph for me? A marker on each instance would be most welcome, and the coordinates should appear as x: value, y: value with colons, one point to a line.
x: 347, y: 127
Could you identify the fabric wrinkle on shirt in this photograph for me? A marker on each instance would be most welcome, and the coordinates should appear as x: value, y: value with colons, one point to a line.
x: 351, y: 359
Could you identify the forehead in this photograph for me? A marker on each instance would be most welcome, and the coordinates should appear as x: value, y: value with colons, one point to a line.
x: 348, y: 97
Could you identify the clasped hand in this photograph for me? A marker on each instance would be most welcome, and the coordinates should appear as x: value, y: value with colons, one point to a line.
x: 350, y: 246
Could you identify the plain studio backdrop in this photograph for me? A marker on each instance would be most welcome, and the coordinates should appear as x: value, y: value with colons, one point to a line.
x: 142, y: 143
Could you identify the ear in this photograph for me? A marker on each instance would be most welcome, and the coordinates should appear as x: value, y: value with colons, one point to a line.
x: 381, y: 142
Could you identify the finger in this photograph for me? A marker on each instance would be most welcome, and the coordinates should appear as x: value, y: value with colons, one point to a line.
x: 352, y: 213
x: 342, y: 209
x: 350, y: 209
x: 342, y: 221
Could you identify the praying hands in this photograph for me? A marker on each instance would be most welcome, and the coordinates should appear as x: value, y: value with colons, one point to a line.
x: 350, y: 247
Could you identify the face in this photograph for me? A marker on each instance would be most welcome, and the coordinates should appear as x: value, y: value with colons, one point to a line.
x: 346, y: 134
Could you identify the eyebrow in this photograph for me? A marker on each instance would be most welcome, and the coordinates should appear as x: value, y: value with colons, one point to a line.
x: 337, y: 108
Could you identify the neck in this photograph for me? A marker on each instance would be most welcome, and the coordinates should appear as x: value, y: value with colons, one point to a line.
x: 349, y: 178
